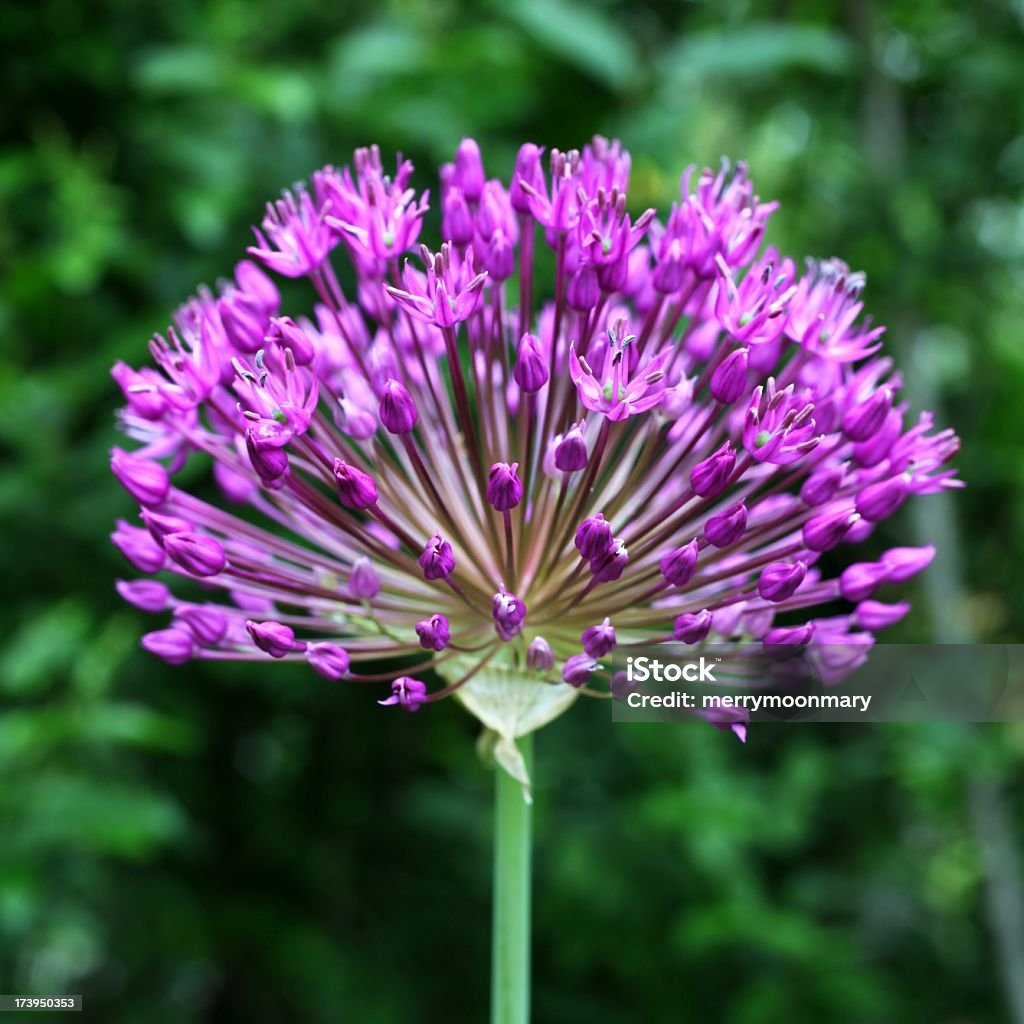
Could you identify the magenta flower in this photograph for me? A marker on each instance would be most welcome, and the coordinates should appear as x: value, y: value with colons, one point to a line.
x: 614, y: 390
x: 666, y: 436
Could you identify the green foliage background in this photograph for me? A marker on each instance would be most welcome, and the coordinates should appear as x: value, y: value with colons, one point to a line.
x: 251, y: 844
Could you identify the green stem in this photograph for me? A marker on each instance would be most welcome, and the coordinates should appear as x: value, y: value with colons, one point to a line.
x: 510, y: 953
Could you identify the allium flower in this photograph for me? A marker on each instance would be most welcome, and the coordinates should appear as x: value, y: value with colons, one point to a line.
x: 480, y: 478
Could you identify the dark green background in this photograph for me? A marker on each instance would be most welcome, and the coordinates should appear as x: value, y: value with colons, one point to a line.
x: 253, y: 844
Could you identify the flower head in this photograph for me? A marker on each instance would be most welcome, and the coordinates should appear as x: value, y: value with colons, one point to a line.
x: 665, y: 437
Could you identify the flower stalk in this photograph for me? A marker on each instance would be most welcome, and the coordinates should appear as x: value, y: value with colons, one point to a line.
x: 510, y: 949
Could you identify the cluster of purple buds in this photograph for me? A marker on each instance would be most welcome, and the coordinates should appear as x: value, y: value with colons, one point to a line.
x: 464, y: 468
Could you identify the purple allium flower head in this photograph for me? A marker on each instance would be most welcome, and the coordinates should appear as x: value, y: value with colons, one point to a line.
x: 504, y: 488
x: 434, y: 633
x: 328, y: 660
x: 274, y: 638
x: 437, y: 559
x: 740, y: 420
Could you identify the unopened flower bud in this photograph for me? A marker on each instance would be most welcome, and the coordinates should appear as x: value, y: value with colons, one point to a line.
x: 876, y: 615
x: 610, y: 566
x: 571, y: 451
x: 175, y: 646
x: 862, y: 579
x: 274, y: 638
x: 531, y: 370
x: 397, y: 409
x: 504, y: 488
x: 160, y: 525
x: 269, y: 461
x: 879, y: 501
x: 710, y: 477
x: 284, y: 331
x: 206, y: 624
x: 821, y: 486
x: 469, y: 170
x: 780, y: 580
x: 456, y: 220
x: 434, y: 633
x: 729, y: 380
x: 578, y: 670
x: 677, y: 566
x: 903, y: 563
x: 594, y: 537
x: 824, y: 532
x: 146, y: 595
x: 539, y: 656
x: 363, y: 581
x: 356, y: 489
x: 598, y: 640
x: 583, y: 292
x: 529, y: 172
x: 354, y: 420
x: 865, y: 419
x: 145, y: 480
x: 243, y: 320
x: 138, y: 547
x: 789, y: 636
x: 437, y: 560
x: 328, y: 660
x: 196, y: 553
x: 727, y: 527
x: 690, y: 628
